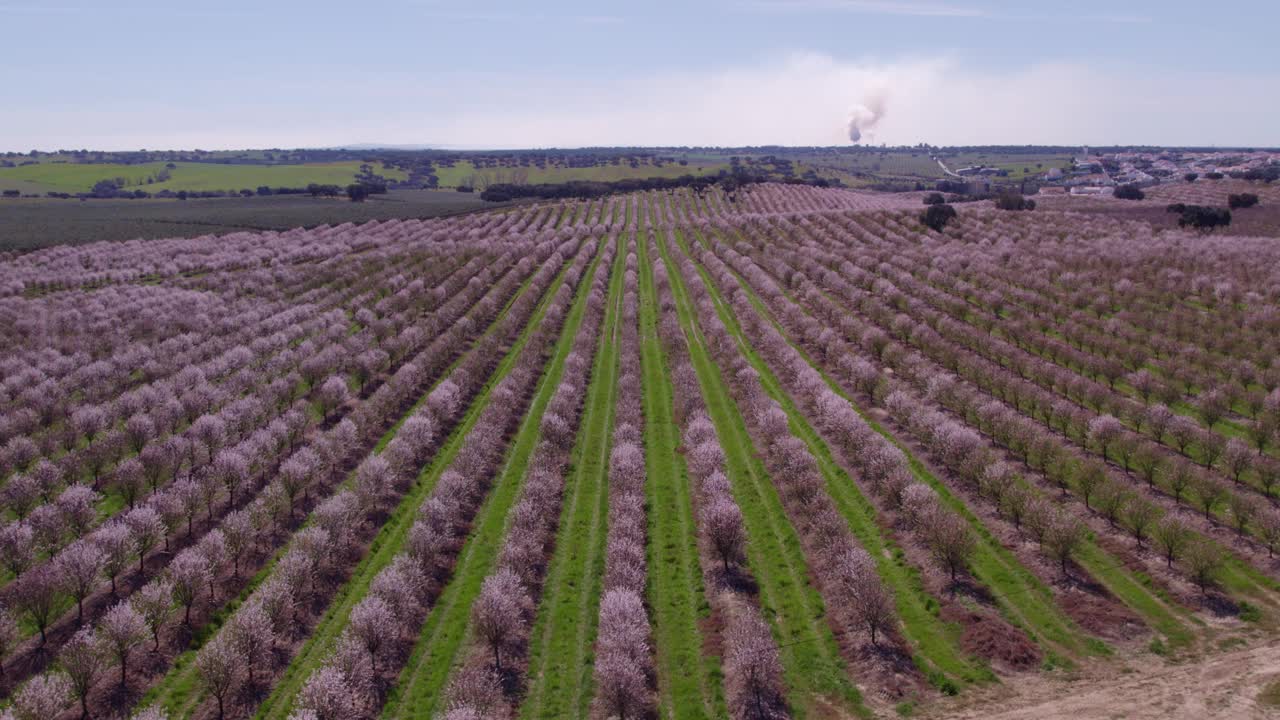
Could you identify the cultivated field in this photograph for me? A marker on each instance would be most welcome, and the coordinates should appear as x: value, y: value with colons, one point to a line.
x: 27, y: 224
x: 192, y: 176
x: 780, y: 453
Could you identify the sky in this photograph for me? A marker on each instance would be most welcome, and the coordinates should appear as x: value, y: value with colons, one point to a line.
x: 230, y: 74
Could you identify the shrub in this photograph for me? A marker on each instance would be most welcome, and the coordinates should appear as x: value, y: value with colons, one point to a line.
x: 1237, y: 201
x: 1130, y: 192
x: 1014, y: 201
x: 1204, y: 219
x: 937, y: 216
x: 934, y: 199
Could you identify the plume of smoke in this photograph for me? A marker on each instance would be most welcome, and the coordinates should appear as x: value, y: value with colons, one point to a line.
x: 867, y: 114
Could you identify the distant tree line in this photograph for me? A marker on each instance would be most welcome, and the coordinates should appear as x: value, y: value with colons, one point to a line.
x: 584, y: 189
x: 1267, y: 173
x: 109, y: 189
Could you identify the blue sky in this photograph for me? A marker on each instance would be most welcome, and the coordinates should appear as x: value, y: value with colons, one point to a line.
x: 227, y: 74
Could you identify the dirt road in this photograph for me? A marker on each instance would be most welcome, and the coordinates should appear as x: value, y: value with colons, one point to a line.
x: 1220, y: 686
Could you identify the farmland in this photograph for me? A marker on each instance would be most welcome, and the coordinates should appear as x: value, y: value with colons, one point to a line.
x: 192, y: 176
x: 780, y: 452
x: 32, y: 223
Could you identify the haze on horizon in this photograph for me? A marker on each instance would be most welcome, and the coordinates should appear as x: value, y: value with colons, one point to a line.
x: 145, y: 74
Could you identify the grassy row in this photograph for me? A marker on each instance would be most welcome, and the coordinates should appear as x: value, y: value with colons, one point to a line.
x: 689, y: 682
x: 421, y: 684
x: 391, y: 537
x: 814, y: 670
x: 935, y: 642
x: 559, y: 646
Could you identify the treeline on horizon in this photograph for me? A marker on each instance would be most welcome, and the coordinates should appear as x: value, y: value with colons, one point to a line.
x: 295, y: 155
x: 587, y: 189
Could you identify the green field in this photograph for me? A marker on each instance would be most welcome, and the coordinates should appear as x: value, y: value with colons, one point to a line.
x: 463, y: 173
x: 80, y: 177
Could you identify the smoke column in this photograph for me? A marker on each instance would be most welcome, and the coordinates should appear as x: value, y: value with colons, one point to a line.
x: 867, y: 114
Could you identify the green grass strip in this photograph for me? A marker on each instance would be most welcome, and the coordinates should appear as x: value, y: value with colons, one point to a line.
x: 560, y: 658
x: 390, y: 538
x: 420, y: 687
x: 1135, y: 593
x: 815, y: 672
x: 936, y: 643
x: 690, y: 682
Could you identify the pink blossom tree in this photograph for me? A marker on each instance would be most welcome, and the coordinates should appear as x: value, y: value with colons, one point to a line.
x: 154, y: 602
x: 496, y: 613
x: 722, y: 522
x: 83, y: 661
x: 370, y: 619
x: 218, y: 666
x: 333, y: 393
x: 752, y: 666
x: 252, y: 636
x: 190, y: 573
x: 115, y: 540
x: 43, y: 697
x: 79, y: 567
x: 121, y: 630
x: 148, y: 531
x: 9, y: 635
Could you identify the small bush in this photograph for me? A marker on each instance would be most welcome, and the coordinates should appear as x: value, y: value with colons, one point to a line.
x: 1130, y: 192
x: 1204, y: 219
x: 1236, y: 201
x: 937, y: 216
x: 934, y: 199
x: 1249, y: 612
x: 1014, y: 201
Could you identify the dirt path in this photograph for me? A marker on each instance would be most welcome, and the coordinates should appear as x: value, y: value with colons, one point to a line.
x: 1222, y: 686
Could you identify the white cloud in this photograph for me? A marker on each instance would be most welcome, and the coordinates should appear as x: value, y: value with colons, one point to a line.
x: 800, y: 99
x: 805, y: 99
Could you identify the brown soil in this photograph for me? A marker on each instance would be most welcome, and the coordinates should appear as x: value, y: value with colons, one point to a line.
x: 1102, y: 617
x: 1228, y: 685
x: 990, y: 637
